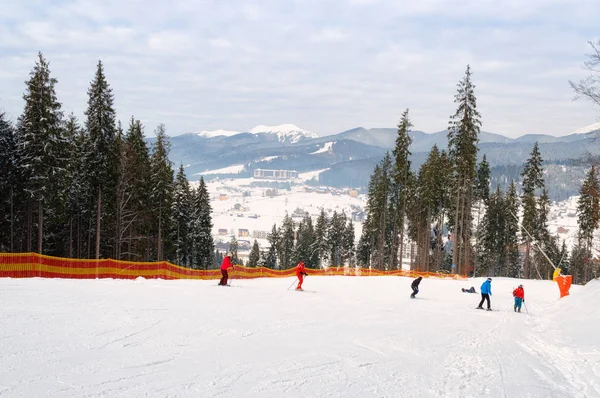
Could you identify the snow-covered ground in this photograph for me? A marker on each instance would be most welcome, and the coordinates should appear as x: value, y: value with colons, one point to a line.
x: 342, y: 337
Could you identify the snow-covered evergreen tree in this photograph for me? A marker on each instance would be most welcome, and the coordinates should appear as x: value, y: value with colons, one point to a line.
x: 254, y: 256
x: 182, y: 210
x: 202, y: 227
x: 161, y: 195
x: 271, y: 258
x: 101, y: 160
x: 7, y: 183
x: 41, y: 145
x: 463, y: 135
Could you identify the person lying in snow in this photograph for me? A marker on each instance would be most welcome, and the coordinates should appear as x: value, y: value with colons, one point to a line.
x: 471, y: 290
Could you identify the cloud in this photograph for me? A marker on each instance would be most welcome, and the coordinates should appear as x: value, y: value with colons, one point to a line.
x: 324, y: 65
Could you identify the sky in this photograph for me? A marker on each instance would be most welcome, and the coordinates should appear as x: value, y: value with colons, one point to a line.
x: 325, y: 66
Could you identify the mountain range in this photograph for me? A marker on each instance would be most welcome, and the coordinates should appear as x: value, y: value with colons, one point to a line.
x: 348, y: 158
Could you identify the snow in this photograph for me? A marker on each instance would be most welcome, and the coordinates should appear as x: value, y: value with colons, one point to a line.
x: 225, y: 170
x: 326, y: 148
x: 284, y: 132
x: 267, y: 158
x: 216, y: 133
x: 342, y: 337
x: 587, y: 129
x: 309, y: 175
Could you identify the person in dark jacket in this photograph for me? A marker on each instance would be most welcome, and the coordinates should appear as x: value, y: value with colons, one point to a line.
x: 486, y: 292
x: 415, y: 286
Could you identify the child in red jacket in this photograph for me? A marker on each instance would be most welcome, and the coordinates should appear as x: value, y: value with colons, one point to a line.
x: 300, y: 273
x: 519, y: 295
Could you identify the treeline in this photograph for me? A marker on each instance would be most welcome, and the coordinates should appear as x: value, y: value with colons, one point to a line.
x: 95, y: 190
x: 451, y: 192
x: 327, y: 242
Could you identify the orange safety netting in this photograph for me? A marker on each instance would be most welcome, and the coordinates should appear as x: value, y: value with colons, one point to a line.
x: 30, y: 265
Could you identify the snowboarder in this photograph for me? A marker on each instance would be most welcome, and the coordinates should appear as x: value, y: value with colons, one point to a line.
x: 300, y: 273
x: 486, y: 292
x: 225, y: 265
x: 519, y: 295
x: 471, y: 290
x: 415, y: 286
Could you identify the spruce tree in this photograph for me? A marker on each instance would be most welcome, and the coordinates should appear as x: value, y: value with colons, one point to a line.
x: 286, y: 243
x: 533, y: 182
x: 136, y: 174
x: 233, y: 251
x: 7, y: 183
x: 463, y: 135
x: 254, y: 256
x: 511, y: 240
x: 182, y: 209
x: 202, y: 227
x: 399, y: 188
x: 588, y: 207
x: 102, y: 161
x: 41, y: 145
x: 588, y: 218
x: 274, y: 242
x: 161, y: 195
x: 348, y: 243
x: 320, y: 235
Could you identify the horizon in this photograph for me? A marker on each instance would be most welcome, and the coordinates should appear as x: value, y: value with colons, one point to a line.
x: 216, y: 65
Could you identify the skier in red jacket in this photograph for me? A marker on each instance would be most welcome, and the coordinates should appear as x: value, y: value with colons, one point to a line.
x: 300, y: 272
x: 225, y: 265
x: 519, y: 295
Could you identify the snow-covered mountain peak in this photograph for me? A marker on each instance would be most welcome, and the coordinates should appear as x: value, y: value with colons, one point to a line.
x: 285, y: 132
x: 216, y: 133
x: 587, y: 129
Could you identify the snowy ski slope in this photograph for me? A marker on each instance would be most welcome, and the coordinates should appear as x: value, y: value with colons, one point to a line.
x: 342, y: 337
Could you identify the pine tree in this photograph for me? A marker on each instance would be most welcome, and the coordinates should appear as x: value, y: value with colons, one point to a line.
x: 492, y: 250
x: 532, y: 182
x: 182, y: 209
x: 463, y: 135
x: 254, y: 256
x: 161, y: 194
x: 41, y: 146
x: 7, y: 183
x: 202, y: 227
x: 102, y: 161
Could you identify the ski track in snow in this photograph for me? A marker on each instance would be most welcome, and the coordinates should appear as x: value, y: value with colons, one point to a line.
x: 357, y: 337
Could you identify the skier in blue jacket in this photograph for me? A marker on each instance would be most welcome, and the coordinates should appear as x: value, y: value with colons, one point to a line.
x: 486, y: 292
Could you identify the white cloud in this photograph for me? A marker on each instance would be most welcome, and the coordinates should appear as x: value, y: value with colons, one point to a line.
x: 208, y: 64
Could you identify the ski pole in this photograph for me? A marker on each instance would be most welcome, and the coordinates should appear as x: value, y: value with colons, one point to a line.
x: 526, y: 308
x: 292, y: 284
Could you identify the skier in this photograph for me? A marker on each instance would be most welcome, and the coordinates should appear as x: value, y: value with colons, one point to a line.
x: 415, y: 286
x: 225, y: 265
x: 519, y: 295
x: 470, y: 290
x: 486, y: 292
x: 300, y: 273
